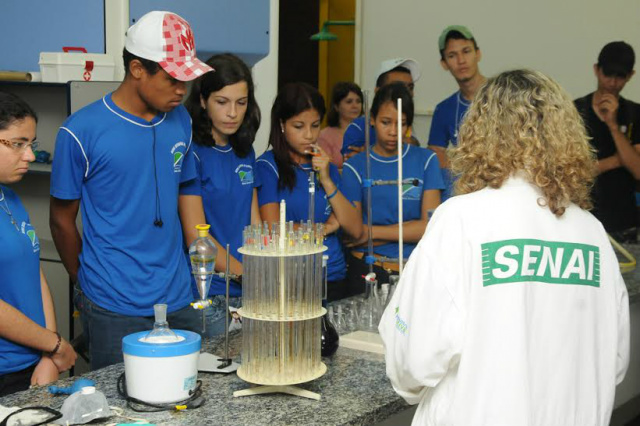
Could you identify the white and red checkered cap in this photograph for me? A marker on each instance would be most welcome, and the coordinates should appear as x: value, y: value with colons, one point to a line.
x: 167, y: 39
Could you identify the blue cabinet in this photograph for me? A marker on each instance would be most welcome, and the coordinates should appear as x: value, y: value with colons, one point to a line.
x: 237, y: 26
x: 28, y: 28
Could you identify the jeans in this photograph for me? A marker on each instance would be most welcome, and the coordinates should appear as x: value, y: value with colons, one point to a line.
x: 104, y: 329
x: 215, y: 315
x: 16, y: 381
x: 337, y: 290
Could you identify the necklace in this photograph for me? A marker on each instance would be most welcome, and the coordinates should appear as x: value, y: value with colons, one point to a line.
x: 5, y: 207
x: 455, y: 134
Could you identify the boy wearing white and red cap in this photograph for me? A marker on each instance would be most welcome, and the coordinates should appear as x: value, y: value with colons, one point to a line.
x: 121, y: 160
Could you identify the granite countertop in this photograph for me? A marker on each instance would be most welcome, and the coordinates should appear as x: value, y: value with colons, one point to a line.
x: 355, y: 391
x: 632, y: 279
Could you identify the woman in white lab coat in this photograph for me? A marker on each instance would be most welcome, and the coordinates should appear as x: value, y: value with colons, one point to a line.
x: 512, y: 310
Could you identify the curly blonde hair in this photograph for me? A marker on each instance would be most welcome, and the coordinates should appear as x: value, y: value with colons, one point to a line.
x: 522, y: 121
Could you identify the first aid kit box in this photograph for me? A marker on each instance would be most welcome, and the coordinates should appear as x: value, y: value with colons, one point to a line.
x: 60, y: 67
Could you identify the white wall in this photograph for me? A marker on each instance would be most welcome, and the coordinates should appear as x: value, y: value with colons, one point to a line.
x: 559, y: 37
x: 265, y: 79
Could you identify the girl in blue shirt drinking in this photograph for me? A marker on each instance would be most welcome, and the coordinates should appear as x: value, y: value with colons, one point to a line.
x: 225, y: 118
x: 285, y: 171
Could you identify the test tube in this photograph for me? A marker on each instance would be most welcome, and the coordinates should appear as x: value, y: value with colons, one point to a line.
x: 312, y: 196
x: 325, y: 260
x: 257, y: 284
x: 275, y: 236
x: 257, y: 235
x: 304, y: 280
x: 268, y: 304
x: 247, y: 290
x: 291, y: 242
x: 319, y: 234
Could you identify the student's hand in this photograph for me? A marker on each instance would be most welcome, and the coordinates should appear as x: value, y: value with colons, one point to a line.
x: 606, y: 108
x: 45, y: 372
x: 364, y: 237
x: 65, y: 358
x: 320, y: 161
x: 330, y: 226
x: 353, y: 150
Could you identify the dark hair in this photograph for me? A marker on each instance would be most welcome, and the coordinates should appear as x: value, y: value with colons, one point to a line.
x: 456, y: 35
x: 12, y: 109
x: 293, y: 99
x: 616, y: 59
x: 391, y: 93
x: 382, y: 78
x: 229, y: 69
x: 340, y: 91
x: 150, y: 66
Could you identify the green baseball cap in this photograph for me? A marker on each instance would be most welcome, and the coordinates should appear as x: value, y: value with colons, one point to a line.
x: 459, y: 28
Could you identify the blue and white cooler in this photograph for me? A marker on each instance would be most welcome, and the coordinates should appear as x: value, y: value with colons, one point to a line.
x: 161, y: 366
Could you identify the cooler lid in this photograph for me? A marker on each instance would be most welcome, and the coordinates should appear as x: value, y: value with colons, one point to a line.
x: 134, y: 344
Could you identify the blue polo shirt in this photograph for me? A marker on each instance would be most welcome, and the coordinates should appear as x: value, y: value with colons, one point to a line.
x: 445, y: 124
x: 225, y: 182
x: 127, y: 171
x: 354, y: 135
x: 298, y: 205
x: 418, y: 164
x: 19, y: 278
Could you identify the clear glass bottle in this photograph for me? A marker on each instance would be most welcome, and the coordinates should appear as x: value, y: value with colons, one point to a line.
x: 328, y: 333
x: 161, y: 332
x: 202, y: 254
x: 369, y: 313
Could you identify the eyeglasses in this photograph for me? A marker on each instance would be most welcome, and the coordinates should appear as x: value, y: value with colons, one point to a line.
x: 20, y: 146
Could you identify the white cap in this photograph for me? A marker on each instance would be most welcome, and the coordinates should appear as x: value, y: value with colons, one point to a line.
x: 409, y: 64
x: 88, y: 390
x: 167, y: 39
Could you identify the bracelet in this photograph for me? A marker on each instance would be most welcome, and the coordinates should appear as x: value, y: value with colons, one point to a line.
x: 55, y: 350
x: 333, y: 194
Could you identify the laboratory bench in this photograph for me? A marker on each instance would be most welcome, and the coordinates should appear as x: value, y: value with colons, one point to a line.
x: 632, y: 279
x: 627, y: 400
x: 354, y: 391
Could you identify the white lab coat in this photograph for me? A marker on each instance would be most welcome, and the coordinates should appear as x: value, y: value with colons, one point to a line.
x: 518, y: 353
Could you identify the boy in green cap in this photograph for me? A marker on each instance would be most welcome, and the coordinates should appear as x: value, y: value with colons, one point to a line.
x: 460, y: 55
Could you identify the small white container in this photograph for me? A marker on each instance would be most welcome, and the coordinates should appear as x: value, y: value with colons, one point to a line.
x: 161, y: 373
x: 60, y: 67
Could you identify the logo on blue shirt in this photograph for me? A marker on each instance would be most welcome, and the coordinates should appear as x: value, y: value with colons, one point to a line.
x: 178, y: 156
x: 328, y: 209
x: 411, y: 191
x: 28, y: 230
x: 245, y: 173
